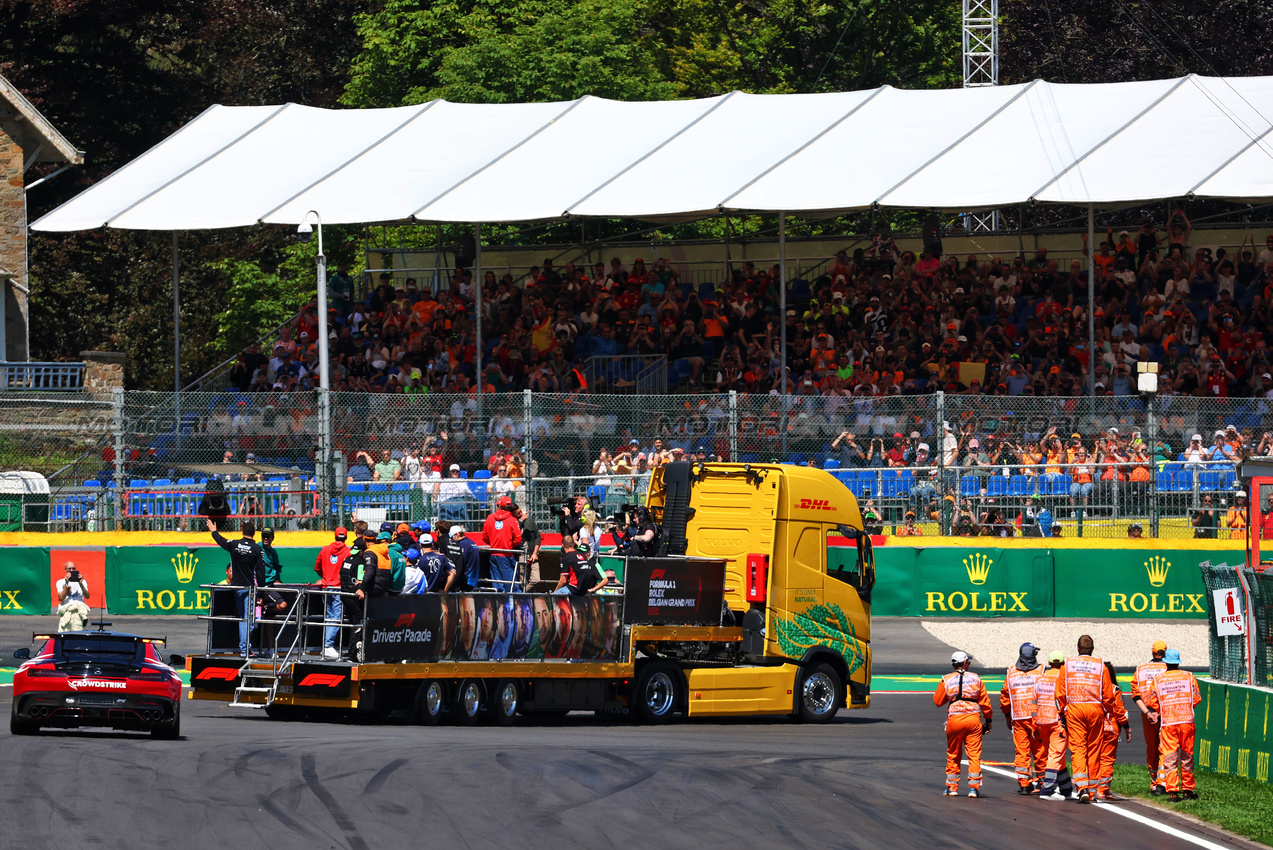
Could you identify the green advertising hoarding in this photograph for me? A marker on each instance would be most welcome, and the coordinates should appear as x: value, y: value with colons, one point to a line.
x: 167, y: 579
x: 958, y: 581
x: 1131, y: 583
x: 24, y: 581
x: 962, y: 582
x: 1232, y: 729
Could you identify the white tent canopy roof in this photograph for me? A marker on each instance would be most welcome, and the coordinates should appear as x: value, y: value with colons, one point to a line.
x: 957, y: 149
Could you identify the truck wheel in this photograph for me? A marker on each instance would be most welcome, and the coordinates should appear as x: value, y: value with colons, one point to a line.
x: 429, y: 700
x: 505, y: 702
x: 468, y: 702
x: 820, y: 694
x: 658, y: 692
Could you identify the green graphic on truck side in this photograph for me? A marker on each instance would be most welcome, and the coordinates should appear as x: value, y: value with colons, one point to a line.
x: 824, y: 626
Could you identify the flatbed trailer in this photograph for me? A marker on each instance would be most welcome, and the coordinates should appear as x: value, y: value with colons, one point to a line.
x: 779, y: 626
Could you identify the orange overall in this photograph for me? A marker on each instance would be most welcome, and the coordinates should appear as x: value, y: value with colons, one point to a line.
x: 1114, y: 722
x: 1016, y: 700
x: 1173, y: 695
x: 1047, y: 722
x: 969, y: 707
x: 1145, y: 674
x: 1085, y: 694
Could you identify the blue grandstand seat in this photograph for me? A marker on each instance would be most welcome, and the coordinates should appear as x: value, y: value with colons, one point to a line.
x: 830, y: 463
x: 970, y: 485
x: 997, y: 487
x: 1019, y: 485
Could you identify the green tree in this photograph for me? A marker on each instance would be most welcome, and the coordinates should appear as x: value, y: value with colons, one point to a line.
x: 259, y: 297
x: 494, y: 51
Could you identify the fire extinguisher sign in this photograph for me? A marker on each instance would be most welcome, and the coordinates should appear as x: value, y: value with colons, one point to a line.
x: 1228, y: 608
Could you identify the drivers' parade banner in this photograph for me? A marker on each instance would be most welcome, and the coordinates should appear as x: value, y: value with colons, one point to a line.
x: 912, y: 581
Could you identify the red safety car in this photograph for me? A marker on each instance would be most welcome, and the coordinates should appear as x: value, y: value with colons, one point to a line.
x: 97, y: 678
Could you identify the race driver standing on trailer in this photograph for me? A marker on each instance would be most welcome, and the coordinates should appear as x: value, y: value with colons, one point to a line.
x: 967, y: 719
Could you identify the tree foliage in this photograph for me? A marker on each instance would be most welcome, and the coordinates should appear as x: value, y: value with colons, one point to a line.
x: 117, y: 78
x: 496, y: 51
x: 1085, y: 41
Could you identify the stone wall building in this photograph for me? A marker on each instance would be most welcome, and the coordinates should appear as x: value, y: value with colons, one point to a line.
x: 26, y: 137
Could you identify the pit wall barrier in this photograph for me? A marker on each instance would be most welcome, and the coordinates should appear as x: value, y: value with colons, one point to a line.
x: 942, y: 577
x: 1232, y: 729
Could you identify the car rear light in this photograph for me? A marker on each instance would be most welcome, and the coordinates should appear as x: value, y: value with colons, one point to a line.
x: 43, y: 672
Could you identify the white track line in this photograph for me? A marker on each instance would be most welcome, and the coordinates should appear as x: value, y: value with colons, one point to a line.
x: 1150, y: 822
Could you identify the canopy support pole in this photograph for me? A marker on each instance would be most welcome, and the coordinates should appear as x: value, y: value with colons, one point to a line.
x: 477, y: 310
x: 176, y: 330
x: 782, y: 314
x: 1091, y: 301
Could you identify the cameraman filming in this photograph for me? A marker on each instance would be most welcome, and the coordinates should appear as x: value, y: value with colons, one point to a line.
x: 569, y: 514
x: 72, y: 596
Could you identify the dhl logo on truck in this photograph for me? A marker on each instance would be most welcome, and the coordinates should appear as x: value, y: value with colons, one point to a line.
x: 815, y: 505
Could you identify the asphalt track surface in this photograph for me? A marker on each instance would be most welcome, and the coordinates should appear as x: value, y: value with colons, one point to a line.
x: 239, y: 780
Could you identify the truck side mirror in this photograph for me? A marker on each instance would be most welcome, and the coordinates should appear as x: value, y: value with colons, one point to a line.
x: 177, y: 660
x: 22, y: 653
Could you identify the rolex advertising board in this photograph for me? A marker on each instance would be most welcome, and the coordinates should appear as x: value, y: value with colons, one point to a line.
x: 162, y: 579
x: 958, y: 581
x: 963, y: 582
x: 1136, y: 584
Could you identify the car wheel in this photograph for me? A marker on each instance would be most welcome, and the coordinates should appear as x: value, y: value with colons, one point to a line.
x: 505, y: 702
x: 658, y: 692
x: 429, y: 701
x: 468, y: 702
x: 820, y: 694
x: 169, y: 733
x: 18, y: 726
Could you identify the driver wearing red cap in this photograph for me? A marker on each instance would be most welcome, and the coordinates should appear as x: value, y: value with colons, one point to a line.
x: 502, y: 533
x: 327, y: 565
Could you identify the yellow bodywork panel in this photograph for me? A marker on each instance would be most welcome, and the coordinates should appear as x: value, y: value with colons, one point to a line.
x: 741, y: 690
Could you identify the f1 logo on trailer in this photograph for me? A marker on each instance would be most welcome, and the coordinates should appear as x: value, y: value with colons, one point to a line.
x: 321, y: 680
x: 223, y: 674
x: 815, y: 505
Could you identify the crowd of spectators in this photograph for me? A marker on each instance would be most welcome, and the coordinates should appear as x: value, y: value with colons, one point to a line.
x: 880, y: 322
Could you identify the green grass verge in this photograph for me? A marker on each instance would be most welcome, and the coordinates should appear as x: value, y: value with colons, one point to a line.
x: 1239, y: 805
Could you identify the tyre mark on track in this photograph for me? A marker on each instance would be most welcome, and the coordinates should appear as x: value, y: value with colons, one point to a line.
x: 377, y: 782
x: 642, y: 773
x: 346, y: 824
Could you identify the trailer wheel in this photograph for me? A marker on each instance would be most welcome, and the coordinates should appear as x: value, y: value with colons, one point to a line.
x: 429, y: 701
x: 658, y: 692
x: 820, y: 694
x: 505, y: 702
x: 468, y: 702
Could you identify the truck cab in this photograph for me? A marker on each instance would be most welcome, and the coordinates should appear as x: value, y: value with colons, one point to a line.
x: 799, y: 566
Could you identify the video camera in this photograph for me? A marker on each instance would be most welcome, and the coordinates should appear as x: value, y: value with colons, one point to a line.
x: 623, y: 516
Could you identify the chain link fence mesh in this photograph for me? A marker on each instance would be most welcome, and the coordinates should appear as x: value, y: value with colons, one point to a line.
x: 1228, y: 652
x: 1007, y: 466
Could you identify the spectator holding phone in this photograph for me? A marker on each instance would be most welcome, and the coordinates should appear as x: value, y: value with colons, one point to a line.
x: 72, y: 597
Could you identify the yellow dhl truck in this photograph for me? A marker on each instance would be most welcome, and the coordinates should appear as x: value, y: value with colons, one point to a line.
x: 759, y: 603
